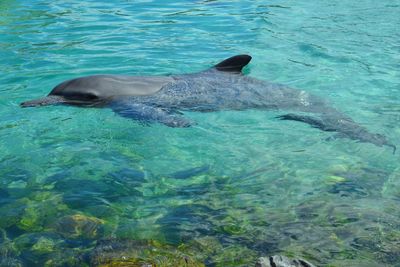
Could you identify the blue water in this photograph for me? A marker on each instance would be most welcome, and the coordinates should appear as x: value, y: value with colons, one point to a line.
x: 239, y: 184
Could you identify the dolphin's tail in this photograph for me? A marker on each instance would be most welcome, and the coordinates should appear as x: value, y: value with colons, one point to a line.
x: 45, y: 101
x: 344, y: 126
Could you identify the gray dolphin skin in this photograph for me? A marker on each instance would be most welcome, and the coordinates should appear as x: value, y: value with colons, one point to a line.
x: 223, y: 87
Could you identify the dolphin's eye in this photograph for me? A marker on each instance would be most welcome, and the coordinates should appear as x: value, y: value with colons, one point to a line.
x: 89, y: 96
x: 81, y: 96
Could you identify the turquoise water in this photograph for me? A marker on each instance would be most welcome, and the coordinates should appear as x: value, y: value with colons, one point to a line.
x: 239, y: 184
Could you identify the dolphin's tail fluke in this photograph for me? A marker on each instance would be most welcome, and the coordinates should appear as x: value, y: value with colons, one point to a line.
x: 45, y: 101
x: 344, y: 126
x: 393, y: 147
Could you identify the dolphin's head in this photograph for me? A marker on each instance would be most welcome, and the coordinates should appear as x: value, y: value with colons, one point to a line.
x: 74, y: 92
x: 97, y: 90
x: 80, y: 91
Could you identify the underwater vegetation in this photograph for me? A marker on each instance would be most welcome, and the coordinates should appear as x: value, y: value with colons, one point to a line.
x: 340, y: 222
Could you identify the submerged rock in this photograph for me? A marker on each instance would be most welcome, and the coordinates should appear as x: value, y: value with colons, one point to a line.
x: 8, y: 252
x: 189, y: 173
x: 64, y: 258
x: 78, y: 193
x: 11, y: 213
x: 79, y: 226
x: 10, y: 262
x: 139, y: 254
x: 36, y: 248
x: 282, y: 261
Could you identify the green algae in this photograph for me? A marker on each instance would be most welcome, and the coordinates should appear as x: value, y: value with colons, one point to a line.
x: 140, y: 253
x: 332, y: 179
x: 44, y: 245
x: 40, y: 211
x: 204, y: 246
x: 235, y: 255
x: 61, y: 260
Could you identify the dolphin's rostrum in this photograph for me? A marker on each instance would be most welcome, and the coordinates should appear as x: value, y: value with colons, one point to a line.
x: 222, y: 87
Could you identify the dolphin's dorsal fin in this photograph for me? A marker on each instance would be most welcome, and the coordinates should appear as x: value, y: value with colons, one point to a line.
x: 233, y: 64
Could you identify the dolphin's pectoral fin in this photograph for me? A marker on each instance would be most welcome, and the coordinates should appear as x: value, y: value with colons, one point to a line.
x: 146, y: 114
x: 314, y: 122
x: 336, y: 136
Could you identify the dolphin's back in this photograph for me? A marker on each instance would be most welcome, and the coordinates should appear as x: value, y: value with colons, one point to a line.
x: 216, y: 90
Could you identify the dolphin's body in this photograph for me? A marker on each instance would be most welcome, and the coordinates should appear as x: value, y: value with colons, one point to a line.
x: 223, y: 87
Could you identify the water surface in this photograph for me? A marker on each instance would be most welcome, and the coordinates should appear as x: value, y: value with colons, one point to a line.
x: 239, y: 184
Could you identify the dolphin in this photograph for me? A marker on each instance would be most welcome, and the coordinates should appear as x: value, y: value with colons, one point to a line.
x: 161, y: 99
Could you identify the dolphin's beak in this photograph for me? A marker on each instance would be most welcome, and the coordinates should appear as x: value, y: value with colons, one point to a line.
x: 45, y: 101
x: 33, y: 103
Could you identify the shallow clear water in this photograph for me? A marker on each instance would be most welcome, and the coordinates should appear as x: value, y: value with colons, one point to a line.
x: 239, y: 184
